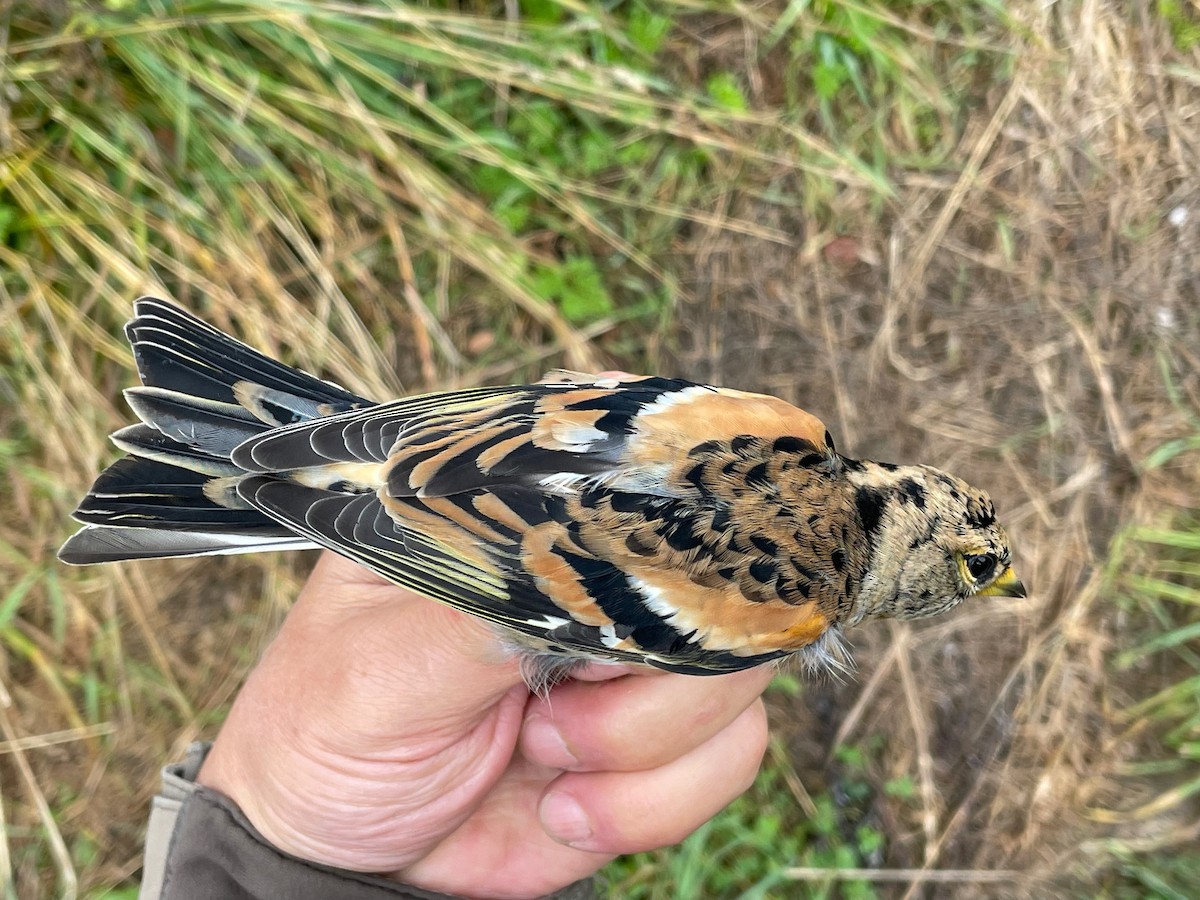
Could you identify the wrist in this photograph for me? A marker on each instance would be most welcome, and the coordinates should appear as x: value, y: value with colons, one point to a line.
x: 240, y: 777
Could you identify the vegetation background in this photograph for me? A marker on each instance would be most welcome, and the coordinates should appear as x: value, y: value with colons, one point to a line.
x: 962, y: 233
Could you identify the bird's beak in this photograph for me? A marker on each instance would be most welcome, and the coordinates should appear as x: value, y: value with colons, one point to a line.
x: 1007, y: 585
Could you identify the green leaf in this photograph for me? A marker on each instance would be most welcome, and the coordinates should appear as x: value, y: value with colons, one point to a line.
x: 547, y: 282
x: 828, y: 79
x: 902, y: 788
x: 583, y: 297
x: 724, y: 90
x: 597, y: 153
x: 786, y: 683
x: 1184, y: 25
x: 8, y: 215
x: 648, y: 30
x: 543, y: 12
x: 869, y: 840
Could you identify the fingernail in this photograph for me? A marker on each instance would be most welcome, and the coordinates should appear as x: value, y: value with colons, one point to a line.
x: 544, y: 744
x: 564, y: 819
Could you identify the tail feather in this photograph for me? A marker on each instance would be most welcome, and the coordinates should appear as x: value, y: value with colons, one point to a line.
x: 105, y: 543
x: 210, y: 426
x: 149, y: 443
x: 144, y: 493
x: 203, y: 394
x: 176, y: 351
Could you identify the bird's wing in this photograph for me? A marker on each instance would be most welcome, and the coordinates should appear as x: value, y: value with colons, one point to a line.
x: 514, y: 504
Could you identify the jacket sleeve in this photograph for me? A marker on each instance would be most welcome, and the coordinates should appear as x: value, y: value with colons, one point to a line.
x: 199, y: 846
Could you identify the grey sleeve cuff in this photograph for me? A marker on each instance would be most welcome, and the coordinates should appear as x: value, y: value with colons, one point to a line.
x: 178, y: 784
x: 199, y: 846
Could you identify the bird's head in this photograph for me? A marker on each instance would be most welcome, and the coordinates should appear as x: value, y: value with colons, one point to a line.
x: 934, y: 542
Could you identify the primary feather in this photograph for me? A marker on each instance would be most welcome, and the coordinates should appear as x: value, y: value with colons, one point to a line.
x: 654, y: 520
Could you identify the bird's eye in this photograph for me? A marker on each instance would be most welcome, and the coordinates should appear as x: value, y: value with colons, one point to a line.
x: 981, y: 565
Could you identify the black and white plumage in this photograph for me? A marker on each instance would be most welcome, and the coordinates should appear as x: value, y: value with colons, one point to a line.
x: 652, y: 520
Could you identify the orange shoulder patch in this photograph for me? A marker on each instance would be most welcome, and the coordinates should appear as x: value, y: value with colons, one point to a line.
x: 666, y: 430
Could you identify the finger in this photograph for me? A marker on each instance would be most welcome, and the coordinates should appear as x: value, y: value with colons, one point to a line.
x: 606, y: 671
x: 634, y: 723
x: 629, y: 812
x: 503, y: 845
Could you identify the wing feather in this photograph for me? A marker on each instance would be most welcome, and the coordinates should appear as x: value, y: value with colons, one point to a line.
x: 322, y: 441
x: 548, y: 508
x: 358, y: 526
x: 455, y: 441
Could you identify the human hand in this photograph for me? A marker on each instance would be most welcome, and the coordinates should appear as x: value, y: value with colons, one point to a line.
x: 384, y: 732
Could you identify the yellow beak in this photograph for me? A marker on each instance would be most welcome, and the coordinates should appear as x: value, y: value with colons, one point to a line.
x: 1007, y: 585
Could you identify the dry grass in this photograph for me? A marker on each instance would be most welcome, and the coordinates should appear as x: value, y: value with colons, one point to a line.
x: 1021, y: 319
x: 1018, y: 307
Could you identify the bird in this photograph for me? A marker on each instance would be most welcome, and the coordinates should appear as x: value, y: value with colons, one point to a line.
x: 614, y: 518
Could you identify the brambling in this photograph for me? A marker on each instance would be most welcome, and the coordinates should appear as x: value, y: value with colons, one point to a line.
x: 634, y: 519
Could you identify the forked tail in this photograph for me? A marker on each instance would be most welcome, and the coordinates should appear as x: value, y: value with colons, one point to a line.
x: 202, y: 394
